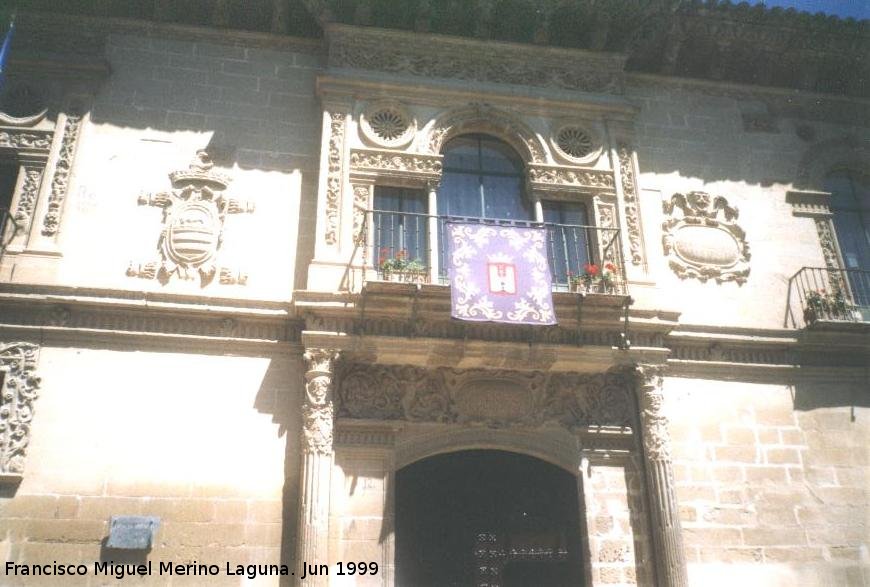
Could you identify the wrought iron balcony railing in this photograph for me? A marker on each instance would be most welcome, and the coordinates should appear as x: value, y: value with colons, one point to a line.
x: 821, y: 294
x: 411, y: 247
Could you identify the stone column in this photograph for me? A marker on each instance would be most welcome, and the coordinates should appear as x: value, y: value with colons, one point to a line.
x: 666, y: 533
x: 434, y: 243
x: 317, y: 455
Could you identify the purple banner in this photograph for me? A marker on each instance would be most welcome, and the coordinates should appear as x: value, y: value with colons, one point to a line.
x: 499, y: 274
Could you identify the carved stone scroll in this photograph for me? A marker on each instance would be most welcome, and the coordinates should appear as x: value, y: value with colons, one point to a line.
x: 334, y: 176
x: 317, y: 453
x: 629, y: 198
x: 394, y: 164
x: 666, y: 529
x: 62, y: 173
x: 703, y: 240
x: 20, y: 386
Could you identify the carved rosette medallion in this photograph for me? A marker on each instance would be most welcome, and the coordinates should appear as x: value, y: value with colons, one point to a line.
x: 193, y: 221
x: 62, y: 172
x: 702, y: 239
x: 629, y: 198
x: 20, y: 386
x: 576, y: 143
x: 335, y: 149
x: 317, y: 410
x: 387, y: 124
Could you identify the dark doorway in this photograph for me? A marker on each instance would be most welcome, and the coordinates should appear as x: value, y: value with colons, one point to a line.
x: 487, y: 517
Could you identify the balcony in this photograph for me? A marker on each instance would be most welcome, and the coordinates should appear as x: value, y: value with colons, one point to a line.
x: 820, y: 296
x: 411, y: 247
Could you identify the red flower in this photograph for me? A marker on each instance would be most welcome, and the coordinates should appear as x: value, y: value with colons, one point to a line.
x: 610, y: 267
x: 591, y: 269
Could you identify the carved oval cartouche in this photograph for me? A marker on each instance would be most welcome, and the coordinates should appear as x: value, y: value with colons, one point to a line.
x: 706, y: 245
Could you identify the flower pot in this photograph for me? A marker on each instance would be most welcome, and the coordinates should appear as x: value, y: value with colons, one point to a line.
x: 810, y: 315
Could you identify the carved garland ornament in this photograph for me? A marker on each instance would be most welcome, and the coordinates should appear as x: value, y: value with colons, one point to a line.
x: 62, y: 172
x: 193, y: 222
x: 550, y: 177
x: 387, y: 124
x: 334, y: 175
x: 317, y: 409
x: 490, y: 398
x: 629, y: 197
x: 703, y: 240
x: 32, y: 139
x: 19, y: 390
x: 396, y: 163
x: 648, y: 383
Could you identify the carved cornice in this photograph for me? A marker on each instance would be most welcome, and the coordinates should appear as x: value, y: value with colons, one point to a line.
x: 494, y: 398
x: 810, y: 204
x: 575, y: 179
x: 31, y: 141
x: 395, y: 164
x: 20, y: 386
x: 450, y: 57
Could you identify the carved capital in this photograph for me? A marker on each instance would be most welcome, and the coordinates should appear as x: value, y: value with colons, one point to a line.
x: 317, y: 412
x: 653, y: 422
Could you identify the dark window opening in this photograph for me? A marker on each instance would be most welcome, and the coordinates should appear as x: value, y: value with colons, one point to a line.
x: 8, y: 179
x: 850, y: 203
x: 568, y: 239
x: 400, y: 226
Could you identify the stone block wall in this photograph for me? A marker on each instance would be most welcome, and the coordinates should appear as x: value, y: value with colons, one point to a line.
x: 252, y: 107
x: 206, y: 442
x: 771, y: 493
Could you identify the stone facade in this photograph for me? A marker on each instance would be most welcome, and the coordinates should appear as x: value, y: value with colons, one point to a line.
x: 193, y: 325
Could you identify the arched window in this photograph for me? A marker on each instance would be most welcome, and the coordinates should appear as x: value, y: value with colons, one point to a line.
x: 850, y: 203
x: 482, y: 178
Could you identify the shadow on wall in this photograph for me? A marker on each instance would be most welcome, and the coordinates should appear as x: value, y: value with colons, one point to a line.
x: 814, y: 395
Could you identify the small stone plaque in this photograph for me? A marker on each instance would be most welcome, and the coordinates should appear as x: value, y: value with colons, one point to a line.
x: 132, y: 532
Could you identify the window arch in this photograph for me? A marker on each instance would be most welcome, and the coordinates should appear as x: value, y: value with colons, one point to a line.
x: 482, y: 178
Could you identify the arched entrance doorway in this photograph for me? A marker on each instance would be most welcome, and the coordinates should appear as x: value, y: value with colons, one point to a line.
x: 486, y: 517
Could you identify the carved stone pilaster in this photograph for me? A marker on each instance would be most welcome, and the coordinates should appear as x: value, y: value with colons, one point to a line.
x: 666, y: 531
x: 62, y: 174
x: 334, y: 176
x: 19, y: 390
x: 630, y: 202
x: 318, y: 419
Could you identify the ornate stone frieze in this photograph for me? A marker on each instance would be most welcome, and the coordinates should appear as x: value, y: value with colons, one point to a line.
x: 27, y: 196
x: 20, y: 387
x: 193, y: 221
x: 483, y: 118
x: 702, y: 239
x: 828, y: 242
x: 32, y: 140
x: 629, y: 198
x: 490, y: 398
x: 317, y: 410
x: 439, y: 57
x: 551, y: 177
x: 134, y: 321
x: 62, y: 172
x: 334, y: 180
x: 387, y: 123
x: 395, y: 164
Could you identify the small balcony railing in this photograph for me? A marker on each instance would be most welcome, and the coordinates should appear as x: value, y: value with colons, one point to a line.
x: 821, y: 294
x: 411, y: 247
